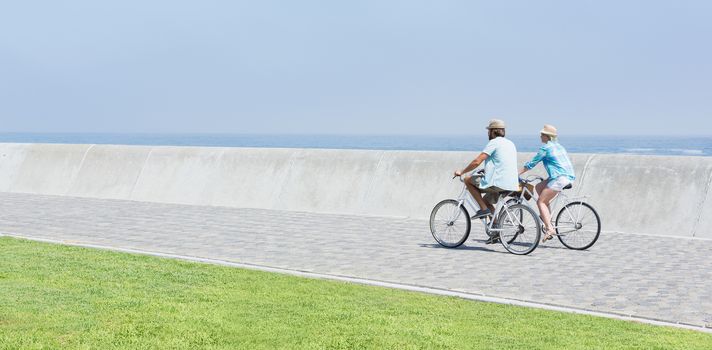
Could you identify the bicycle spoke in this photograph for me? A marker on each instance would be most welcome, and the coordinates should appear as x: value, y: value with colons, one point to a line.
x: 520, y: 229
x: 581, y: 232
x: 449, y: 223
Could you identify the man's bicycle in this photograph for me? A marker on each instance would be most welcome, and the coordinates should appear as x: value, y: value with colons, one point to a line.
x: 516, y: 224
x: 577, y: 224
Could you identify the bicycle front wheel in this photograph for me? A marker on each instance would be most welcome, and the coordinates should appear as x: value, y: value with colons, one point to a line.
x: 578, y: 225
x: 450, y: 223
x: 520, y: 229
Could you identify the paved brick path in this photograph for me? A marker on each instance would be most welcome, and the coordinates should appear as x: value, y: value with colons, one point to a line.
x: 665, y: 279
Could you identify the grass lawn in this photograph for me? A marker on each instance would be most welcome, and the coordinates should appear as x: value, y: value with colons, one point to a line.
x: 54, y: 296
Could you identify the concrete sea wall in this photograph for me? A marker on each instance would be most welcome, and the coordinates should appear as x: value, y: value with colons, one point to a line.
x: 633, y: 194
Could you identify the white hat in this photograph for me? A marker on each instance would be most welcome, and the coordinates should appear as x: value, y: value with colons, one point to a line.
x: 548, y: 130
x: 495, y: 124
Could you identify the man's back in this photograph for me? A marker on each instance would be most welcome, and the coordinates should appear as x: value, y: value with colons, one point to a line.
x: 501, y: 165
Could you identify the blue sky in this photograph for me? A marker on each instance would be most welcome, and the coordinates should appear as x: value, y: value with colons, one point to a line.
x: 360, y: 67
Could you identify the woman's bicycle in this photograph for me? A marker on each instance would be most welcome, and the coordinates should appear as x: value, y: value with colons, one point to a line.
x: 516, y: 224
x: 577, y: 223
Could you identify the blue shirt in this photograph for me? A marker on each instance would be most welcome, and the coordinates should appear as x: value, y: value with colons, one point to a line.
x: 556, y: 161
x: 501, y: 165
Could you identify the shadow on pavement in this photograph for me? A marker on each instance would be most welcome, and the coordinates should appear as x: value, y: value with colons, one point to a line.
x: 482, y: 241
x: 462, y: 247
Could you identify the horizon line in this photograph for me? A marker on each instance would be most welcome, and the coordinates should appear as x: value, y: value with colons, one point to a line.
x: 182, y: 133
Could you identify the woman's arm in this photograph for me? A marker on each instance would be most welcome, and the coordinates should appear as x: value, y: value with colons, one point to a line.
x: 537, y: 158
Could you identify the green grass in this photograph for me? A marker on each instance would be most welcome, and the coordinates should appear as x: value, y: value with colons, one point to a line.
x: 54, y: 296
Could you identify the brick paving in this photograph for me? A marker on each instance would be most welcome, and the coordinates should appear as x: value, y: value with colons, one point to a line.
x: 668, y: 279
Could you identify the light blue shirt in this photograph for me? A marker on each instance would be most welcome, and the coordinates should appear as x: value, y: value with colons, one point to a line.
x: 501, y: 165
x: 556, y: 161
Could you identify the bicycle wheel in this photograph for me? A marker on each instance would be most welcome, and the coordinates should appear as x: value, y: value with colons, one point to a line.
x: 450, y: 223
x: 520, y: 217
x: 520, y: 229
x: 578, y: 225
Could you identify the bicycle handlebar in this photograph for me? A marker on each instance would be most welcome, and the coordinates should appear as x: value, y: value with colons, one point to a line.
x: 531, y: 178
x: 479, y: 173
x: 528, y: 179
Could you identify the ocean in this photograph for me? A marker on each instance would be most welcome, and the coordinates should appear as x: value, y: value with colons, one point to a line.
x: 657, y: 145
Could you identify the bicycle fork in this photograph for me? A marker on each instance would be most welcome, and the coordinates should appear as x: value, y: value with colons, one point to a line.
x: 457, y: 212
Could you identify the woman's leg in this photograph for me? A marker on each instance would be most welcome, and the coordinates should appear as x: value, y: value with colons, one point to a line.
x: 545, y: 197
x: 540, y: 187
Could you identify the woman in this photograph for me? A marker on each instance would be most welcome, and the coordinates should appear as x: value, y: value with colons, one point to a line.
x: 561, y: 174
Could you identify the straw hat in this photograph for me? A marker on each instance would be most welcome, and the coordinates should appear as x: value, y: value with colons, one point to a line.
x: 548, y: 130
x: 495, y: 124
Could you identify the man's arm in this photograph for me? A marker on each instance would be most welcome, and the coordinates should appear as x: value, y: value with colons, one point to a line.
x: 473, y: 164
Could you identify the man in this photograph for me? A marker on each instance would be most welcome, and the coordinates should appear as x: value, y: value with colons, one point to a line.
x: 500, y: 158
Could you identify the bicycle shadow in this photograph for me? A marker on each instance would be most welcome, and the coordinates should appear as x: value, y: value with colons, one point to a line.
x: 484, y: 249
x: 541, y: 246
x: 462, y: 247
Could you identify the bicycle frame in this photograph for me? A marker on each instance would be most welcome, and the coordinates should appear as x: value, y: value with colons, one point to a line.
x: 553, y: 204
x: 465, y: 197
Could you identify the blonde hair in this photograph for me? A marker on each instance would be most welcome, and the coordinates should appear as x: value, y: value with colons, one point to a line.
x: 552, y: 138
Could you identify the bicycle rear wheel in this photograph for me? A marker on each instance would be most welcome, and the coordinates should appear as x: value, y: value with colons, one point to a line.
x: 578, y: 225
x: 450, y: 223
x: 520, y: 229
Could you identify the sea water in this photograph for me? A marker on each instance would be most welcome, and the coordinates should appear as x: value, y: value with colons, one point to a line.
x: 658, y: 145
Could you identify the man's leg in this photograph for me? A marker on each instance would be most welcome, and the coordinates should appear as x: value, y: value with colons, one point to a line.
x: 490, y: 199
x: 477, y: 195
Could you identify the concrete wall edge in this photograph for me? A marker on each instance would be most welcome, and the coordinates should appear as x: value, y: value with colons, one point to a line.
x: 702, y: 205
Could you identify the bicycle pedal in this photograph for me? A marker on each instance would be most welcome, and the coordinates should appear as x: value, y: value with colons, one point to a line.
x: 493, y: 240
x: 488, y: 216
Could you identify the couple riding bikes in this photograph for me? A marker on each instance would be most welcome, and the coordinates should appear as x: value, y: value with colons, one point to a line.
x: 501, y: 173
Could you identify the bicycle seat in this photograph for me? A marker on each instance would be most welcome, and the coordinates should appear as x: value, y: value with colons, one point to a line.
x: 569, y: 186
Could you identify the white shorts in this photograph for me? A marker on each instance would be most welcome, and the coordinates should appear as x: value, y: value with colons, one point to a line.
x: 558, y: 183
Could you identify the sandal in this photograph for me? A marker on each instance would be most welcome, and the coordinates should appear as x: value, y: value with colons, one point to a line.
x: 549, y: 235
